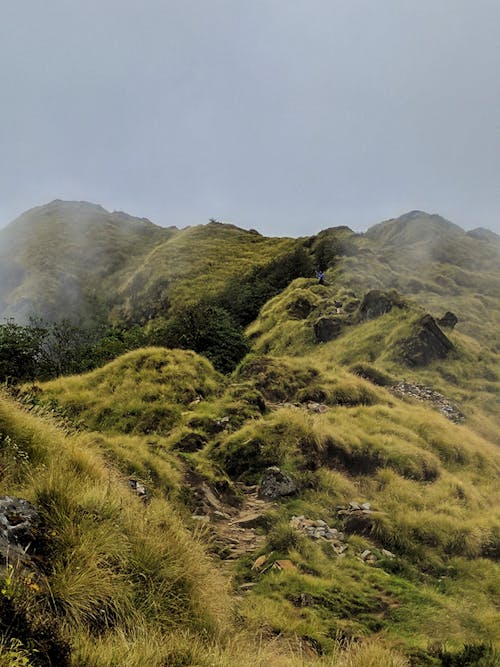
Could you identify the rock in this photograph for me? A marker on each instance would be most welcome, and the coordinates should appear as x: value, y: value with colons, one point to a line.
x: 365, y: 554
x: 387, y: 554
x: 258, y: 564
x: 320, y: 408
x: 305, y: 600
x: 191, y: 442
x: 275, y: 484
x: 19, y: 522
x: 448, y: 320
x: 427, y: 344
x: 210, y: 497
x: 140, y: 489
x: 422, y: 392
x: 250, y: 519
x: 284, y: 564
x: 327, y: 328
x: 375, y: 303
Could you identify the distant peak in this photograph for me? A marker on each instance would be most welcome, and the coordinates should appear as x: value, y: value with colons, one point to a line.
x: 68, y: 203
x: 412, y: 227
x: 484, y: 234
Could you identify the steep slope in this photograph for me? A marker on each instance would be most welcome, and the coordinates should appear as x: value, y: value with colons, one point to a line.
x: 54, y: 258
x: 198, y: 261
x: 442, y: 267
x: 382, y: 420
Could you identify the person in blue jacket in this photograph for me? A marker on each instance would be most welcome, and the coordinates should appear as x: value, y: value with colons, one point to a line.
x: 321, y: 277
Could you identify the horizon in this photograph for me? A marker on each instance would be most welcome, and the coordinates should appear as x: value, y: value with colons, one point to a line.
x: 280, y: 116
x: 235, y: 223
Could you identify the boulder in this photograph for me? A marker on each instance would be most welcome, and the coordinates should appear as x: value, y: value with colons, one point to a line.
x: 448, y: 320
x: 427, y: 344
x: 276, y: 484
x: 327, y: 328
x: 375, y: 303
x: 19, y: 522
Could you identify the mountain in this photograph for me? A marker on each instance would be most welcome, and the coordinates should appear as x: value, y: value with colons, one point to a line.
x: 53, y: 258
x: 331, y: 500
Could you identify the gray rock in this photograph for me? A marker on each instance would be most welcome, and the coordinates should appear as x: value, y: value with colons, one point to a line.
x: 427, y: 343
x: 448, y: 320
x: 375, y: 303
x: 139, y: 489
x: 19, y: 522
x: 276, y: 484
x: 327, y: 328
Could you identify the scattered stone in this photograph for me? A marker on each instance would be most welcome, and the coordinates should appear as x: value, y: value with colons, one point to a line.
x: 321, y: 531
x: 220, y: 516
x: 19, y: 522
x: 327, y: 328
x: 421, y: 392
x: 317, y: 407
x: 448, y: 320
x: 139, y: 489
x: 276, y: 484
x: 387, y: 554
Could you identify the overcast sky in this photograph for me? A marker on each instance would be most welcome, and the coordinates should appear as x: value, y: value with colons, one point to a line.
x: 287, y: 116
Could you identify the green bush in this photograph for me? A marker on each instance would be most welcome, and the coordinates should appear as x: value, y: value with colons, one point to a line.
x: 206, y: 329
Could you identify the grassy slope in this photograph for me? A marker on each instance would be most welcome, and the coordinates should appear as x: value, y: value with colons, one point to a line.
x: 55, y: 257
x: 433, y: 484
x: 59, y: 260
x: 196, y: 262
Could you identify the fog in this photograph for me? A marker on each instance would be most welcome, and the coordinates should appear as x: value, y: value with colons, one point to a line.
x: 287, y: 116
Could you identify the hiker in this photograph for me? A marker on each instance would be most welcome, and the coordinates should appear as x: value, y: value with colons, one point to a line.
x: 321, y: 277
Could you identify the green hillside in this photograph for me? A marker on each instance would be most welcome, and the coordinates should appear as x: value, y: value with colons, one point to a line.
x: 161, y: 538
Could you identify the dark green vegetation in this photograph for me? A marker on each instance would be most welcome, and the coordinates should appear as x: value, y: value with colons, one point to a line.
x: 352, y: 388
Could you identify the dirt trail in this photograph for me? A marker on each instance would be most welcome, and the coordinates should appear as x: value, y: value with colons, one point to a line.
x: 235, y: 529
x: 239, y: 531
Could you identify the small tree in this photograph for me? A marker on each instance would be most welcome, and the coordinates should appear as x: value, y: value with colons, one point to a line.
x: 19, y: 351
x: 206, y: 329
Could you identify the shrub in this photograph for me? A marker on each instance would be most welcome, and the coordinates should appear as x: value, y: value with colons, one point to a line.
x: 206, y: 329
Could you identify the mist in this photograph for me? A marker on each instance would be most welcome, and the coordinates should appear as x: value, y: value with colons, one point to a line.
x: 281, y: 116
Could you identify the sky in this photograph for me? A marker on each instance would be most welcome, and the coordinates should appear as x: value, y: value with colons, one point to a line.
x: 286, y: 116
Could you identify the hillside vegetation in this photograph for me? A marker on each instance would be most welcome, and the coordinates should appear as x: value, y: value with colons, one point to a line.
x: 157, y: 542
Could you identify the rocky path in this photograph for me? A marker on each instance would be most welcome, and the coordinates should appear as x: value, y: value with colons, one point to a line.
x: 238, y: 533
x: 235, y: 529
